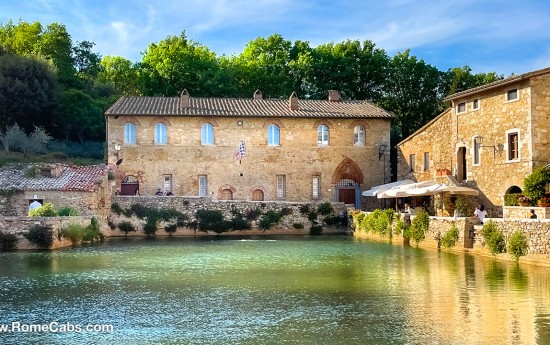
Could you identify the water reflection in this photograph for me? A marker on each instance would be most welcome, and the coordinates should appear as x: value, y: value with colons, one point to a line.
x: 330, y: 290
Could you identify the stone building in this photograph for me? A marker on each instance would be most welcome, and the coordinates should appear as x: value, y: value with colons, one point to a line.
x: 84, y: 188
x: 291, y: 150
x: 490, y: 139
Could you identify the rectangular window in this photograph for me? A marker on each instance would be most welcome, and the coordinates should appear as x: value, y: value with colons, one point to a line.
x: 281, y: 186
x: 513, y: 146
x: 426, y: 161
x: 316, y: 187
x: 411, y: 162
x: 476, y: 152
x: 167, y: 183
x: 203, y: 186
x: 461, y: 107
x: 475, y: 104
x: 512, y: 95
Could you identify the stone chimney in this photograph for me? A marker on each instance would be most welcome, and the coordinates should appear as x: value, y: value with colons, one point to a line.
x: 184, y: 99
x: 334, y: 96
x: 293, y: 102
x: 257, y: 94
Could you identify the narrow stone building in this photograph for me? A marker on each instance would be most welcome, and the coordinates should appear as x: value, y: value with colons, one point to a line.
x: 490, y: 139
x: 248, y: 149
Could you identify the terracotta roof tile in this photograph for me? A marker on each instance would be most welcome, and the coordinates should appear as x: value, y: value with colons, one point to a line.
x: 242, y: 107
x: 71, y: 178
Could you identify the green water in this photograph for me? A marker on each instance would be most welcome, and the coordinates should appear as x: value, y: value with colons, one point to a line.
x: 272, y: 290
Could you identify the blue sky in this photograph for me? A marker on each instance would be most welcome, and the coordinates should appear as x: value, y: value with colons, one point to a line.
x: 487, y: 35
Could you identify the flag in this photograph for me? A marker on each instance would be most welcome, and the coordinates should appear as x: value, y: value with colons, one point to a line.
x: 241, y: 151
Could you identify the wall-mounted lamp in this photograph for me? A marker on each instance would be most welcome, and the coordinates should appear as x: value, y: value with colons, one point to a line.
x: 381, y: 150
x: 117, y: 149
x: 239, y: 123
x: 498, y: 148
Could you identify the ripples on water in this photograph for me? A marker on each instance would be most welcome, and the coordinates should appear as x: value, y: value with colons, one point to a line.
x: 282, y: 290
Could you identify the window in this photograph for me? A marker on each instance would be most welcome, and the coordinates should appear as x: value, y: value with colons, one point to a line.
x: 476, y: 152
x: 513, y: 146
x: 160, y: 134
x: 207, y: 134
x: 272, y: 135
x: 281, y: 186
x: 512, y: 95
x: 411, y: 162
x: 129, y: 133
x: 359, y: 136
x: 426, y: 161
x: 167, y: 183
x: 203, y: 186
x: 316, y: 187
x: 322, y: 135
x: 475, y: 104
x: 461, y: 107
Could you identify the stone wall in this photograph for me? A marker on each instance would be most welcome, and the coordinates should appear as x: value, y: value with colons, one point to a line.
x: 189, y: 205
x: 540, y: 112
x: 21, y: 225
x: 519, y: 212
x: 298, y: 157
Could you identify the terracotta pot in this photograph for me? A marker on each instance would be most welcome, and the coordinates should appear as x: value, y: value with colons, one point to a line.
x: 523, y: 204
x: 544, y: 204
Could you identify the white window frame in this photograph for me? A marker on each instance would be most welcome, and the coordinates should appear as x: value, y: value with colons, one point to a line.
x: 507, y: 95
x: 509, y: 133
x: 323, y: 135
x: 458, y: 107
x: 161, y: 133
x: 281, y: 186
x: 476, y: 152
x: 359, y: 136
x: 273, y: 133
x: 206, y: 128
x: 130, y: 133
x: 426, y: 162
x: 474, y: 104
x: 203, y: 186
x: 316, y: 187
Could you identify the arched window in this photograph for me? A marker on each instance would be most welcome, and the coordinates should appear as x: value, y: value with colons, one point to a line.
x: 258, y: 195
x: 273, y: 134
x: 129, y: 133
x: 359, y: 136
x: 322, y: 135
x: 160, y: 134
x: 227, y: 194
x: 207, y: 134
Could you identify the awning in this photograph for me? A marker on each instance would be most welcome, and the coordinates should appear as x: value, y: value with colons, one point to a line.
x: 374, y: 191
x: 424, y: 188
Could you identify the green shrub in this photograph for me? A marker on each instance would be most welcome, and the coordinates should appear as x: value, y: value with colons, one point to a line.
x: 40, y: 235
x: 126, y: 227
x: 493, y: 237
x: 511, y: 199
x: 315, y: 230
x: 239, y: 223
x: 312, y: 216
x: 73, y: 232
x: 419, y: 225
x: 150, y: 227
x: 269, y: 219
x: 400, y: 227
x: 140, y: 211
x: 170, y: 228
x: 212, y: 220
x: 116, y: 208
x: 378, y: 222
x: 535, y: 183
x: 450, y: 239
x: 305, y: 209
x: 46, y: 210
x: 517, y: 245
x: 325, y: 208
x: 286, y: 211
x: 298, y: 226
x: 7, y: 241
x: 253, y: 214
x: 67, y: 212
x: 91, y: 232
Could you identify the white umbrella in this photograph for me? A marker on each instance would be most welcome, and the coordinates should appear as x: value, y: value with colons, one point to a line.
x: 375, y: 190
x: 403, y: 190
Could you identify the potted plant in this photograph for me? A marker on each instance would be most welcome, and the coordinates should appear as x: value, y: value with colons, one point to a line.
x: 523, y: 200
x: 544, y: 201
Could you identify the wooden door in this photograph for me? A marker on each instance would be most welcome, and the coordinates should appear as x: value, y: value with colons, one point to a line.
x: 346, y: 196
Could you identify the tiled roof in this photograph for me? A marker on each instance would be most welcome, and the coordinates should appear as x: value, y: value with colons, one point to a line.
x: 71, y: 178
x: 502, y: 82
x: 243, y: 107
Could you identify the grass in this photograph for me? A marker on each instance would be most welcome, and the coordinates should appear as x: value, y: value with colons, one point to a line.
x: 51, y: 157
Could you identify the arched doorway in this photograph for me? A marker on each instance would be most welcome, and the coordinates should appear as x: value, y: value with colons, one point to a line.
x: 257, y: 195
x: 514, y: 190
x: 129, y: 185
x: 347, y: 180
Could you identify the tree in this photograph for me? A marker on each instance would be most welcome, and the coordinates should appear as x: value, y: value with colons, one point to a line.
x: 120, y: 73
x: 35, y: 142
x: 87, y: 63
x: 79, y: 113
x: 461, y: 78
x: 12, y: 137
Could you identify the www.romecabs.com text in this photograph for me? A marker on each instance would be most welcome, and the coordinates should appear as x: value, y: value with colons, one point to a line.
x: 54, y: 327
